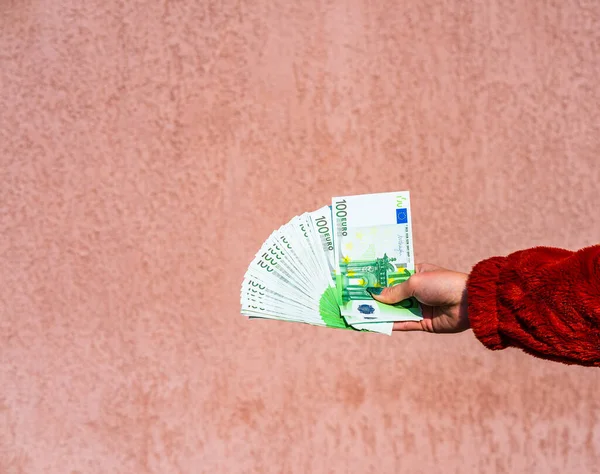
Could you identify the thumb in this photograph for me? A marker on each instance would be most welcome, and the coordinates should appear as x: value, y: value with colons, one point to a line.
x: 393, y: 294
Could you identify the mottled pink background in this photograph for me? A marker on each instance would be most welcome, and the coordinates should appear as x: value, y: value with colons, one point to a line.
x: 148, y: 148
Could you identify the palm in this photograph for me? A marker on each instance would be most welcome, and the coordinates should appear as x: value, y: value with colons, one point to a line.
x: 442, y: 319
x: 442, y: 294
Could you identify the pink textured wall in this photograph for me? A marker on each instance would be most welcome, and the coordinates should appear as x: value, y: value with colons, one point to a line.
x: 148, y: 148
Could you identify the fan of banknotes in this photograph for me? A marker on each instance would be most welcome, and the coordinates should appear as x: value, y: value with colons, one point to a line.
x: 322, y: 267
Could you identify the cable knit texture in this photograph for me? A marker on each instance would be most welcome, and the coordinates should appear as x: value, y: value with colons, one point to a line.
x: 544, y: 300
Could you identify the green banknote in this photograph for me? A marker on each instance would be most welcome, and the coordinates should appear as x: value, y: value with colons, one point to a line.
x: 315, y: 269
x: 373, y: 249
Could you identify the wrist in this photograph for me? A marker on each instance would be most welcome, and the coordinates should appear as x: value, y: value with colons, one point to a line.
x: 463, y: 311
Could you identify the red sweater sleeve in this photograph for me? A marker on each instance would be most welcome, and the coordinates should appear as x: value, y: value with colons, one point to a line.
x: 543, y: 300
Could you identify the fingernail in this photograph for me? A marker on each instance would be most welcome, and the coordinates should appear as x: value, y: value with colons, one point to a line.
x: 374, y: 290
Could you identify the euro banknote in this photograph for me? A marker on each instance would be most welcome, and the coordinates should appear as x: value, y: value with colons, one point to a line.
x: 373, y: 250
x: 316, y: 269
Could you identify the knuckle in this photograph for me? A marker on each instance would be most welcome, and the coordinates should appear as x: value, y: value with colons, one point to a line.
x: 413, y: 282
x: 391, y: 295
x: 422, y: 267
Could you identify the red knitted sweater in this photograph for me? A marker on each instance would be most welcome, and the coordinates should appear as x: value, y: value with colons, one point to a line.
x: 544, y: 300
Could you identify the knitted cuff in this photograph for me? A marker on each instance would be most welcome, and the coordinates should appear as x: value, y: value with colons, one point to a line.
x: 482, y: 302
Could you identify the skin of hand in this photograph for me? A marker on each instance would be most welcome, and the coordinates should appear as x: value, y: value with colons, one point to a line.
x: 442, y: 294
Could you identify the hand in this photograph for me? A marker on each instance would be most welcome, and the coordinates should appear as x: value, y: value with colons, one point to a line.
x: 443, y: 297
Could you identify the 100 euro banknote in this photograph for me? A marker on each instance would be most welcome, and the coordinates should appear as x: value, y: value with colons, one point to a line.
x: 373, y: 248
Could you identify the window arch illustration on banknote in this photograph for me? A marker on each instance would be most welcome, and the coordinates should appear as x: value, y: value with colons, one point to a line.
x: 358, y: 275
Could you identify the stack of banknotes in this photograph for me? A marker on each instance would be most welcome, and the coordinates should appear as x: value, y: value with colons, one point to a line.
x: 322, y: 267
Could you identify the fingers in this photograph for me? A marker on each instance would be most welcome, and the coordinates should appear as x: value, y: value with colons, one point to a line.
x: 408, y: 326
x: 426, y: 267
x: 404, y: 290
x: 394, y: 294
